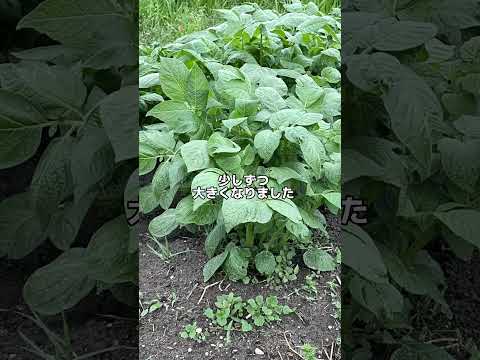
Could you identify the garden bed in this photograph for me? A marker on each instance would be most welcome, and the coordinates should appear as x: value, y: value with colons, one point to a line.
x: 178, y: 287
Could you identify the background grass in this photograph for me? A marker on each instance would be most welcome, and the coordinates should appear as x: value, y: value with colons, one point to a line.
x: 162, y: 21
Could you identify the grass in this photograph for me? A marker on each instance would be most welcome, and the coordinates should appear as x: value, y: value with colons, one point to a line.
x: 162, y: 21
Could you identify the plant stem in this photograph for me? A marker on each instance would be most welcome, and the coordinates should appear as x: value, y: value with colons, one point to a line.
x: 249, y: 240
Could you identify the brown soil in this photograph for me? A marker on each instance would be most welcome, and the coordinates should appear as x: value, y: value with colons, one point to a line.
x: 178, y: 285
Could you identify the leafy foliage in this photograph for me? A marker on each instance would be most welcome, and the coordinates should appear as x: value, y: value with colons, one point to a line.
x: 233, y: 313
x: 74, y: 103
x: 255, y: 95
x: 411, y: 139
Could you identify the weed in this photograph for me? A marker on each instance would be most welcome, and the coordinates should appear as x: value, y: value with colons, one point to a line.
x: 193, y: 332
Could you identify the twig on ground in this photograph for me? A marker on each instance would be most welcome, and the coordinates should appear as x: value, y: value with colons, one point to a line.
x: 191, y: 291
x: 205, y: 290
x: 279, y: 353
x: 290, y: 346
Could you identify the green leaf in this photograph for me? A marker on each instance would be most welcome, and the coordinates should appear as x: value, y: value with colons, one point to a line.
x: 174, y: 77
x: 464, y: 223
x: 360, y: 253
x: 197, y: 88
x: 282, y: 174
x: 164, y: 224
x: 178, y: 117
x: 236, y: 264
x: 459, y: 161
x: 17, y: 113
x: 21, y: 230
x: 314, y: 153
x: 195, y: 155
x: 285, y: 207
x: 214, y: 238
x: 207, y: 178
x: 265, y: 262
x: 148, y: 200
x: 319, y: 260
x: 108, y: 257
x: 384, y: 300
x: 115, y: 45
x: 51, y: 182
x: 60, y: 285
x: 270, y: 99
x: 65, y: 223
x: 212, y: 266
x: 93, y: 160
x: 236, y: 212
x: 266, y: 142
x: 119, y: 114
x: 60, y: 85
x: 18, y: 146
x: 218, y: 144
x: 331, y: 74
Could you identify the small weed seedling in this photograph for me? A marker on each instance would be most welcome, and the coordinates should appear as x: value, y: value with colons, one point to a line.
x: 309, y: 352
x: 285, y: 271
x: 149, y: 307
x: 193, y: 332
x: 232, y: 313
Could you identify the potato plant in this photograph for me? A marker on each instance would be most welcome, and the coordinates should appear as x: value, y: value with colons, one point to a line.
x: 240, y: 135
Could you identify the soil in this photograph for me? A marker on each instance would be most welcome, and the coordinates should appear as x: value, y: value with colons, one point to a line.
x: 178, y: 285
x: 96, y: 323
x: 455, y: 331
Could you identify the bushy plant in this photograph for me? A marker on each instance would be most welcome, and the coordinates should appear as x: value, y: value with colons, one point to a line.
x: 253, y: 101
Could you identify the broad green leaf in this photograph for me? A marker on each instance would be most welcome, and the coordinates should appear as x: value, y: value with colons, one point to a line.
x: 21, y: 230
x: 459, y: 161
x: 61, y: 284
x: 287, y: 208
x: 270, y: 98
x: 218, y: 144
x: 231, y: 123
x: 18, y: 146
x: 93, y: 160
x: 314, y: 153
x: 148, y: 200
x: 197, y: 88
x: 384, y: 300
x: 319, y: 260
x: 282, y: 174
x: 207, y: 178
x: 360, y: 253
x: 284, y: 118
x: 108, y: 257
x: 464, y: 223
x: 119, y: 114
x: 51, y: 182
x: 65, y: 223
x: 213, y: 265
x: 331, y: 74
x: 60, y: 85
x: 16, y: 113
x: 178, y: 117
x: 214, y: 238
x: 195, y: 155
x: 314, y: 219
x: 173, y: 78
x: 205, y: 215
x: 236, y: 264
x: 103, y: 46
x: 236, y: 212
x: 266, y: 142
x: 164, y: 224
x: 265, y: 262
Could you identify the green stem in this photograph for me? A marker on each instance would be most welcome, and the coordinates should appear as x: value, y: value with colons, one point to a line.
x: 249, y: 240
